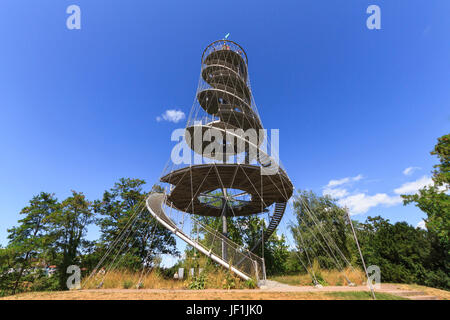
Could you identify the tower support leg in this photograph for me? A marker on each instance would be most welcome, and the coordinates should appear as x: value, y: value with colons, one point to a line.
x: 225, y: 233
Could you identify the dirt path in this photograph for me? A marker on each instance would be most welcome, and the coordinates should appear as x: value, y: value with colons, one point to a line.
x: 155, y: 294
x: 272, y: 291
x: 412, y: 292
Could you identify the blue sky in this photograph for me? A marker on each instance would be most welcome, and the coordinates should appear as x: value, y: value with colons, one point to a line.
x: 79, y: 108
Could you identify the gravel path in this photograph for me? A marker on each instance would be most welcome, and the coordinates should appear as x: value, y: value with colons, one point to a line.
x: 274, y: 286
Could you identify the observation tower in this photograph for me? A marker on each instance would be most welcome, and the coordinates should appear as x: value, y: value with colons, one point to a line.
x: 232, y: 169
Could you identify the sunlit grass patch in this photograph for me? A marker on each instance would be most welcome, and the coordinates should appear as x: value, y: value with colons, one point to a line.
x: 325, y: 277
x: 363, y: 295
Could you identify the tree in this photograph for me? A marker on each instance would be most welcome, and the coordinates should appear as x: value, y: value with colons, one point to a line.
x: 30, y: 239
x: 123, y: 208
x: 403, y: 253
x: 9, y: 262
x: 234, y: 232
x: 275, y: 248
x: 276, y: 253
x: 435, y: 202
x: 68, y: 227
x: 441, y: 174
x: 321, y: 230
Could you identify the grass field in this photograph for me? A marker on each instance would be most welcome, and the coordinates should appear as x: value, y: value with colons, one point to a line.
x: 219, y: 279
x: 363, y: 295
x: 326, y: 277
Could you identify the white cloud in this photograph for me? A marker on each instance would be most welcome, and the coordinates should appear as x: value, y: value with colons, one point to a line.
x: 361, y: 202
x: 334, y: 183
x: 421, y: 225
x: 331, y: 188
x: 413, y: 186
x: 335, y: 193
x: 172, y: 116
x: 409, y: 171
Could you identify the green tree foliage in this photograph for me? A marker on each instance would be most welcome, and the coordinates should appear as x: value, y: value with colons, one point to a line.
x: 9, y: 261
x: 321, y: 230
x: 234, y: 232
x: 403, y: 253
x: 124, y: 205
x: 54, y: 233
x: 435, y: 200
x: 68, y: 227
x: 441, y: 174
x: 275, y: 248
x: 276, y: 252
x: 29, y: 242
x: 293, y: 265
x: 399, y: 250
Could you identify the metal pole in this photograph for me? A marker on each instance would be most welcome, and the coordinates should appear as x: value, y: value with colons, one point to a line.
x: 225, y: 233
x: 264, y: 262
x: 362, y: 258
x: 262, y: 238
x: 224, y: 225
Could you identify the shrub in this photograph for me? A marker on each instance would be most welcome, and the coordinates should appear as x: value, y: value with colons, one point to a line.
x: 127, y: 284
x: 250, y: 284
x: 198, y: 282
x: 229, y: 282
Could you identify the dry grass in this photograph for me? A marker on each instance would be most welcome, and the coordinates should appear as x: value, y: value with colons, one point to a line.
x: 223, y: 279
x: 217, y: 279
x: 329, y: 277
x: 129, y: 280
